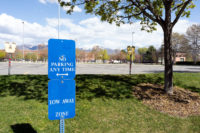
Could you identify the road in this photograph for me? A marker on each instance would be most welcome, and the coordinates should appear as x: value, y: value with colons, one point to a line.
x: 41, y: 68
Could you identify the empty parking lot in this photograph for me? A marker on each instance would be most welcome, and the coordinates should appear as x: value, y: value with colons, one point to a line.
x: 41, y: 68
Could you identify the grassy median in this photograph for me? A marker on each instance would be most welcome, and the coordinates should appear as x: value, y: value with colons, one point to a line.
x: 105, y: 103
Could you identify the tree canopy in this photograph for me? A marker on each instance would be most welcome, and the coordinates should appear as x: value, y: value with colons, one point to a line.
x: 104, y: 55
x: 166, y: 13
x: 2, y: 54
x: 31, y: 57
x: 150, y: 12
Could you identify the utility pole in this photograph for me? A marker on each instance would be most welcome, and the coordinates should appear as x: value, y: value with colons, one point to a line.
x: 37, y: 50
x: 58, y: 20
x: 23, y: 39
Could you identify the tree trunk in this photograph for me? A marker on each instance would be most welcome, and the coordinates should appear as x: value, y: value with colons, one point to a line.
x: 168, y: 59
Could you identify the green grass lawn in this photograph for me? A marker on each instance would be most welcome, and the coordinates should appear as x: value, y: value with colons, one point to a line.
x: 104, y: 105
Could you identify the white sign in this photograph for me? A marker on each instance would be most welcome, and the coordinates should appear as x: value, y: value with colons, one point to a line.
x: 10, y: 47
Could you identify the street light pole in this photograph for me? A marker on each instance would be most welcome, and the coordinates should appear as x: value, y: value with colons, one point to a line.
x: 132, y: 37
x: 62, y: 120
x: 37, y: 50
x: 23, y: 39
x: 58, y: 20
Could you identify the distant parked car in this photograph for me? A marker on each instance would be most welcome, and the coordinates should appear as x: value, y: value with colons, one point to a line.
x: 20, y: 60
x: 5, y: 60
x: 110, y: 62
x: 116, y: 62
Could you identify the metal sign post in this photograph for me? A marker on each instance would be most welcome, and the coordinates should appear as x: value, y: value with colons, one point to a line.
x: 9, y: 63
x: 10, y: 48
x: 131, y: 52
x: 62, y: 125
x: 130, y: 64
x: 61, y: 87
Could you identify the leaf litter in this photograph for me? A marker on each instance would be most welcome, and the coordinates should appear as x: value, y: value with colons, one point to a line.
x: 182, y: 102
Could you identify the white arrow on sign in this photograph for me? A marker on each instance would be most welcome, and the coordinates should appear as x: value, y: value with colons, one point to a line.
x: 65, y: 74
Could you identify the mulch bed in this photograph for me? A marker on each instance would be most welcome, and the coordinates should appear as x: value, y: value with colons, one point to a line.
x: 181, y: 103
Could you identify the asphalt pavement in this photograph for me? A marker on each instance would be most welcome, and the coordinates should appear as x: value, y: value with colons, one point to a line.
x: 42, y: 68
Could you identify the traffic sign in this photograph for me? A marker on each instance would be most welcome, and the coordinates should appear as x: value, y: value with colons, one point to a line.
x: 61, y: 59
x: 10, y: 47
x: 61, y: 99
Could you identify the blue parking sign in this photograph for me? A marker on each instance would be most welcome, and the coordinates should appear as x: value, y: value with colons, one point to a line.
x: 61, y: 99
x: 61, y: 72
x: 61, y: 59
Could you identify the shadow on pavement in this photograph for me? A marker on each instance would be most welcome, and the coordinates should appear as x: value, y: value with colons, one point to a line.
x: 175, y: 71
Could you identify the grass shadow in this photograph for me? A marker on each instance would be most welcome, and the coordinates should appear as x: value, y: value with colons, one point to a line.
x: 23, y: 128
x: 30, y: 86
x: 87, y: 86
x: 111, y: 86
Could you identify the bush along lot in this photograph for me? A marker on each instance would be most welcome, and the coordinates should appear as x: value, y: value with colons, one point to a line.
x: 104, y: 103
x: 188, y: 63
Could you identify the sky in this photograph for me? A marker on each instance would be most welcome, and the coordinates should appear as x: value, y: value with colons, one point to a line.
x: 40, y: 19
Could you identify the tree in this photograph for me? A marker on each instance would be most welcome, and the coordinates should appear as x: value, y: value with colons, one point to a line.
x: 179, y: 44
x: 142, y: 51
x: 90, y: 56
x: 2, y: 54
x: 123, y: 56
x: 31, y: 57
x: 137, y: 58
x: 80, y: 55
x: 151, y: 55
x: 193, y: 35
x: 18, y: 54
x: 96, y: 50
x: 119, y: 55
x: 115, y: 55
x: 42, y: 54
x: 149, y: 12
x: 34, y: 57
x: 104, y: 55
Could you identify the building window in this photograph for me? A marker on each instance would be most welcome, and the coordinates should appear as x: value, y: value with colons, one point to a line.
x: 182, y: 59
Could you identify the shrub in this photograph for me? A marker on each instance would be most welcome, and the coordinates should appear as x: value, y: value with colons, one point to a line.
x: 187, y: 63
